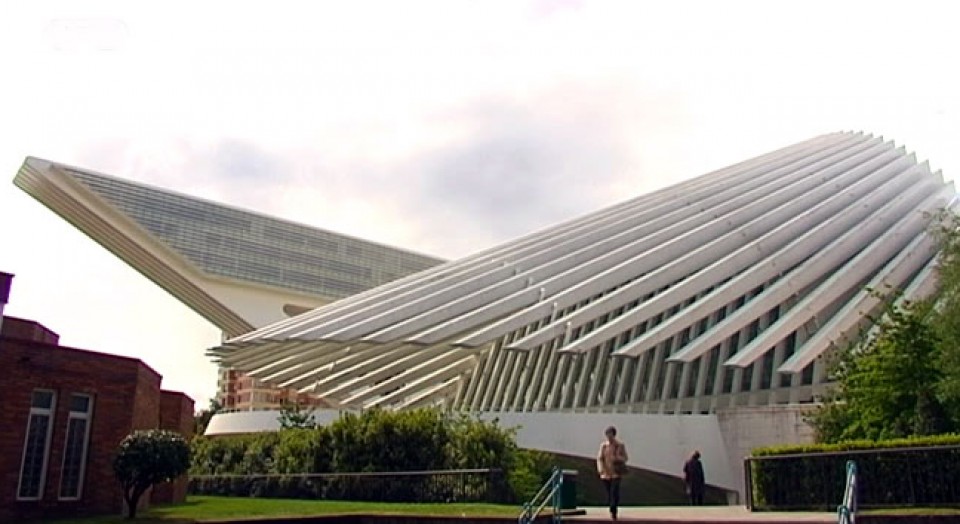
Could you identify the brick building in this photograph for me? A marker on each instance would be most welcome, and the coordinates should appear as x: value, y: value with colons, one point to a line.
x: 65, y: 411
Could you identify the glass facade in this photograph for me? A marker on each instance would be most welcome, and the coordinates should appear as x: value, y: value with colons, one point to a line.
x: 238, y: 244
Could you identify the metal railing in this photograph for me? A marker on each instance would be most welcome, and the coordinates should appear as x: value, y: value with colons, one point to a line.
x: 462, y: 485
x: 549, y: 493
x: 847, y: 511
x: 890, y: 477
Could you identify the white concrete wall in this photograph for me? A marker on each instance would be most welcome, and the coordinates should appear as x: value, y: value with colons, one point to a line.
x: 659, y: 443
x: 258, y: 306
x: 747, y: 428
x: 259, y: 421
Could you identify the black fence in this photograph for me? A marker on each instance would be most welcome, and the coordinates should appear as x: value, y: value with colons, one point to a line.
x: 464, y: 485
x: 927, y: 476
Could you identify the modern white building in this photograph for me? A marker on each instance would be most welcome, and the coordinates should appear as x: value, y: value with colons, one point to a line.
x: 696, y: 316
x: 238, y: 269
x: 722, y: 291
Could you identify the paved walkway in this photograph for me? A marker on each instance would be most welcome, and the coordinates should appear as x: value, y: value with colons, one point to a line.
x: 722, y: 514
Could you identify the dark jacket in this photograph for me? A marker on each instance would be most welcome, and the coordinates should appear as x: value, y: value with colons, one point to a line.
x: 693, y: 474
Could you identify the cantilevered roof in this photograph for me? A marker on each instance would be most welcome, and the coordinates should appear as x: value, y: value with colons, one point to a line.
x: 181, y: 242
x: 734, y: 281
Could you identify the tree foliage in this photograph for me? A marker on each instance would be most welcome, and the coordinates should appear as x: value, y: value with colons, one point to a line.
x: 293, y: 415
x: 145, y: 458
x: 378, y: 440
x: 946, y: 314
x: 903, y: 378
x: 887, y: 384
x: 302, y: 450
x: 202, y: 418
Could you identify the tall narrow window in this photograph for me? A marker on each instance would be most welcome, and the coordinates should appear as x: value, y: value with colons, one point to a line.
x: 36, y: 445
x: 75, y: 447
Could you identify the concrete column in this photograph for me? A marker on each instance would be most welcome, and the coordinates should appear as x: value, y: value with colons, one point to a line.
x: 627, y: 378
x: 546, y: 383
x: 546, y: 360
x: 637, y: 387
x: 612, y: 375
x: 600, y: 371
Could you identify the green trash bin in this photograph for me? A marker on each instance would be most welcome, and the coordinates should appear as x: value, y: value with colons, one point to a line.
x: 568, y: 490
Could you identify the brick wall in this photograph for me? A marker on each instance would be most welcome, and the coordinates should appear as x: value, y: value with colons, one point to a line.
x: 28, y: 330
x: 176, y: 414
x: 145, y: 409
x: 126, y: 396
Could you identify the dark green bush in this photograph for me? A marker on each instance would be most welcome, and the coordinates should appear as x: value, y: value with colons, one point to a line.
x: 378, y: 440
x: 374, y: 441
x: 441, y: 486
x: 530, y: 469
x: 852, y: 445
x: 901, y: 472
x: 303, y: 451
x: 231, y: 455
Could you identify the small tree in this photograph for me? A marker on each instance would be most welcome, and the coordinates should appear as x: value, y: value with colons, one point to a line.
x: 146, y: 458
x: 292, y: 415
x: 887, y: 384
x: 202, y: 418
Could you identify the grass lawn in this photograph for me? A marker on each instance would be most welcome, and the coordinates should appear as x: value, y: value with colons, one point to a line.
x: 198, y: 508
x: 911, y: 511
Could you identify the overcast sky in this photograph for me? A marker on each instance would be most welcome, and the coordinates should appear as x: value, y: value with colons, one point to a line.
x: 444, y: 127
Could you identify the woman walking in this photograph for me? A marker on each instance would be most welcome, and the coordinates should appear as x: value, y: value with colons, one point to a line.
x: 612, y: 466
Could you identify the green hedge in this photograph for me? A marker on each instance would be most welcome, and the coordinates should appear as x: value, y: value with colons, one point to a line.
x: 853, y: 445
x: 461, y: 486
x: 901, y: 472
x: 376, y: 441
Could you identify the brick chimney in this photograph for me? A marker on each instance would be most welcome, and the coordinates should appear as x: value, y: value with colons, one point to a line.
x: 6, y: 279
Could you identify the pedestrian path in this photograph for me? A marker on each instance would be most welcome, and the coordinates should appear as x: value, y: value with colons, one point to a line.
x: 702, y: 514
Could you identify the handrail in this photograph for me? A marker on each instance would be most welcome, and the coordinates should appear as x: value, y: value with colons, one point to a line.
x: 847, y: 511
x: 824, y: 472
x: 549, y: 492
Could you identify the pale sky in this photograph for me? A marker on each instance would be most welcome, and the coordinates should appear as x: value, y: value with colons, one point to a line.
x: 444, y: 127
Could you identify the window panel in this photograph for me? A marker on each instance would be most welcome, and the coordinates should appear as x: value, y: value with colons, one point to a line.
x: 237, y: 244
x: 36, y: 446
x: 42, y: 399
x: 75, y: 447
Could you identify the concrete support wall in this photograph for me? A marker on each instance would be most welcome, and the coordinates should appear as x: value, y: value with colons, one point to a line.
x: 747, y: 428
x: 661, y: 443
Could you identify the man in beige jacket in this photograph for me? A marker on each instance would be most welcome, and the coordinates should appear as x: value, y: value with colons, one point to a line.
x: 612, y: 466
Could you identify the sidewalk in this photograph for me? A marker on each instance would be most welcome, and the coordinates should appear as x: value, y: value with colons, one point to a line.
x: 721, y: 514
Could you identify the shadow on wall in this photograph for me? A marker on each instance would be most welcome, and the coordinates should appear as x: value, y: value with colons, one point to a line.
x: 640, y: 488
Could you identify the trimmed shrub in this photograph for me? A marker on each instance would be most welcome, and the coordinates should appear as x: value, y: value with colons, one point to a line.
x: 440, y: 486
x: 901, y: 472
x: 377, y: 441
x: 303, y: 451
